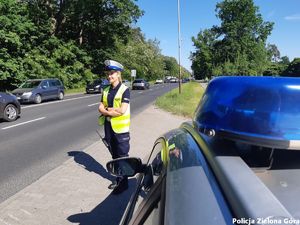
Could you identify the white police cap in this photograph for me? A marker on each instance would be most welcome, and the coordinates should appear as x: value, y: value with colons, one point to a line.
x: 113, y: 65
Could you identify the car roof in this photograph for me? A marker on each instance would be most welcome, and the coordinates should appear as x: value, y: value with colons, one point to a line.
x: 42, y: 79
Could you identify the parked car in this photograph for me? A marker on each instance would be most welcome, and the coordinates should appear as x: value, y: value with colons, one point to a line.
x: 38, y: 90
x: 97, y: 86
x: 159, y: 81
x: 140, y: 84
x: 236, y: 162
x: 174, y: 80
x: 10, y: 107
x: 167, y: 79
x: 185, y: 80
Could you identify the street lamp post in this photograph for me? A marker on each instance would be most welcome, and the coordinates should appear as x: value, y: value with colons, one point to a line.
x: 179, y: 45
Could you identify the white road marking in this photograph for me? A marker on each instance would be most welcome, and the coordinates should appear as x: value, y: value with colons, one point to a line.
x: 140, y: 92
x: 65, y: 100
x: 26, y: 212
x: 94, y: 104
x: 19, y: 124
x: 13, y: 217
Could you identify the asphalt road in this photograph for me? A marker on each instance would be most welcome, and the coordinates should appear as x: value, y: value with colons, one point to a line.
x: 40, y: 140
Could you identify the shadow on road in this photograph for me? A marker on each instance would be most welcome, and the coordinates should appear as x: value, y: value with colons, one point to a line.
x: 108, y: 212
x: 90, y: 164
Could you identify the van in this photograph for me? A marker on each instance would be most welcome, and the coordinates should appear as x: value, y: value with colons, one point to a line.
x: 38, y: 90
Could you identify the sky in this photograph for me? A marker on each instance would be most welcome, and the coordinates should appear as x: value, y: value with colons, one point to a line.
x: 160, y: 21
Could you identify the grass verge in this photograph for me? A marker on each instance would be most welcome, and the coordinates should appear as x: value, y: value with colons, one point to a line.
x: 75, y: 90
x: 183, y: 104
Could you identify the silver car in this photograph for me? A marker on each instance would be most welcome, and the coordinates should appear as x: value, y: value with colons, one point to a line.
x: 38, y: 90
x: 140, y: 84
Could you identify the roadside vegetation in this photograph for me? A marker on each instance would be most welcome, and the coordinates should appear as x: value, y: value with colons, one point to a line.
x: 183, y: 104
x: 238, y: 46
x: 75, y: 90
x: 70, y: 40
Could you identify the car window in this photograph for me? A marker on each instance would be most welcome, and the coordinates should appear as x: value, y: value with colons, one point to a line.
x: 151, y: 209
x: 58, y: 83
x: 155, y: 160
x: 188, y: 172
x: 53, y: 83
x: 45, y: 83
x: 157, y: 168
x: 30, y: 84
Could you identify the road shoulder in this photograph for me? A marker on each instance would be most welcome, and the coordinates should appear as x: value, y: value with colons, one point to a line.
x: 76, y: 192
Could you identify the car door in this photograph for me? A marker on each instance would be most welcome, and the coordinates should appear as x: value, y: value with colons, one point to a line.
x: 45, y: 89
x: 146, y: 204
x: 53, y: 89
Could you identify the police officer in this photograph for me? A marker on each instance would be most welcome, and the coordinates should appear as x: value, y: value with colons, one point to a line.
x: 115, y: 108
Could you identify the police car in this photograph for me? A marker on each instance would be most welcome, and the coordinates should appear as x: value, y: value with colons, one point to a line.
x: 236, y: 162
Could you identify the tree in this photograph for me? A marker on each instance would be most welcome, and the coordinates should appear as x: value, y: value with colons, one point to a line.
x: 171, y: 66
x: 16, y: 38
x: 140, y: 54
x: 293, y: 70
x: 203, y: 59
x: 285, y: 60
x: 237, y: 46
x: 273, y: 53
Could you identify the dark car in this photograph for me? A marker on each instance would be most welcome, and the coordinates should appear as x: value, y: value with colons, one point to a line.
x: 141, y: 84
x: 38, y: 90
x: 236, y: 162
x: 9, y: 107
x: 185, y: 80
x: 97, y: 86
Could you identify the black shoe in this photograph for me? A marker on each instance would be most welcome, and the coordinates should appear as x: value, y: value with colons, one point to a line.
x: 113, y: 185
x: 121, y: 187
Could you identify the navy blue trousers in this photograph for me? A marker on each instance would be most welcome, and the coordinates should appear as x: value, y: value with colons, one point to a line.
x: 118, y: 143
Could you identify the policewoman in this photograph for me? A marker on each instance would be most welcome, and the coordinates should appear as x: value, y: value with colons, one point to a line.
x: 115, y: 109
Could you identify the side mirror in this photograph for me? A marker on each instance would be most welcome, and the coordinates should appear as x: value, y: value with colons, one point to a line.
x: 44, y: 87
x: 127, y: 166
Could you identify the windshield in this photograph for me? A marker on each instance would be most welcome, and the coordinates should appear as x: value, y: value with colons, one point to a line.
x: 96, y: 82
x: 30, y: 84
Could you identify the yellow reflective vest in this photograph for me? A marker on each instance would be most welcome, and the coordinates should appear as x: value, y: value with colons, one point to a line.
x: 119, y: 124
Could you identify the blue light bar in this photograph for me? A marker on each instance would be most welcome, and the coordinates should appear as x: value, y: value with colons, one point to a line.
x: 261, y: 111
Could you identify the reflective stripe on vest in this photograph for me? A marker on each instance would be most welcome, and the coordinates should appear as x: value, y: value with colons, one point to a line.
x: 119, y: 124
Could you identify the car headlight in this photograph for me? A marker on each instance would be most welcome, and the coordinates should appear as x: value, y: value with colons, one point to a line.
x: 27, y: 94
x: 97, y: 86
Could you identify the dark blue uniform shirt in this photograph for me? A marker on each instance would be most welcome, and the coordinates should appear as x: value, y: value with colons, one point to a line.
x: 112, y: 93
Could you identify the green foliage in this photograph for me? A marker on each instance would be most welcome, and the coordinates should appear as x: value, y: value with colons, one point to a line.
x: 285, y: 60
x: 202, y: 59
x: 275, y: 69
x: 145, y: 57
x: 293, y: 70
x: 71, y: 39
x: 171, y: 66
x: 15, y: 40
x: 237, y: 46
